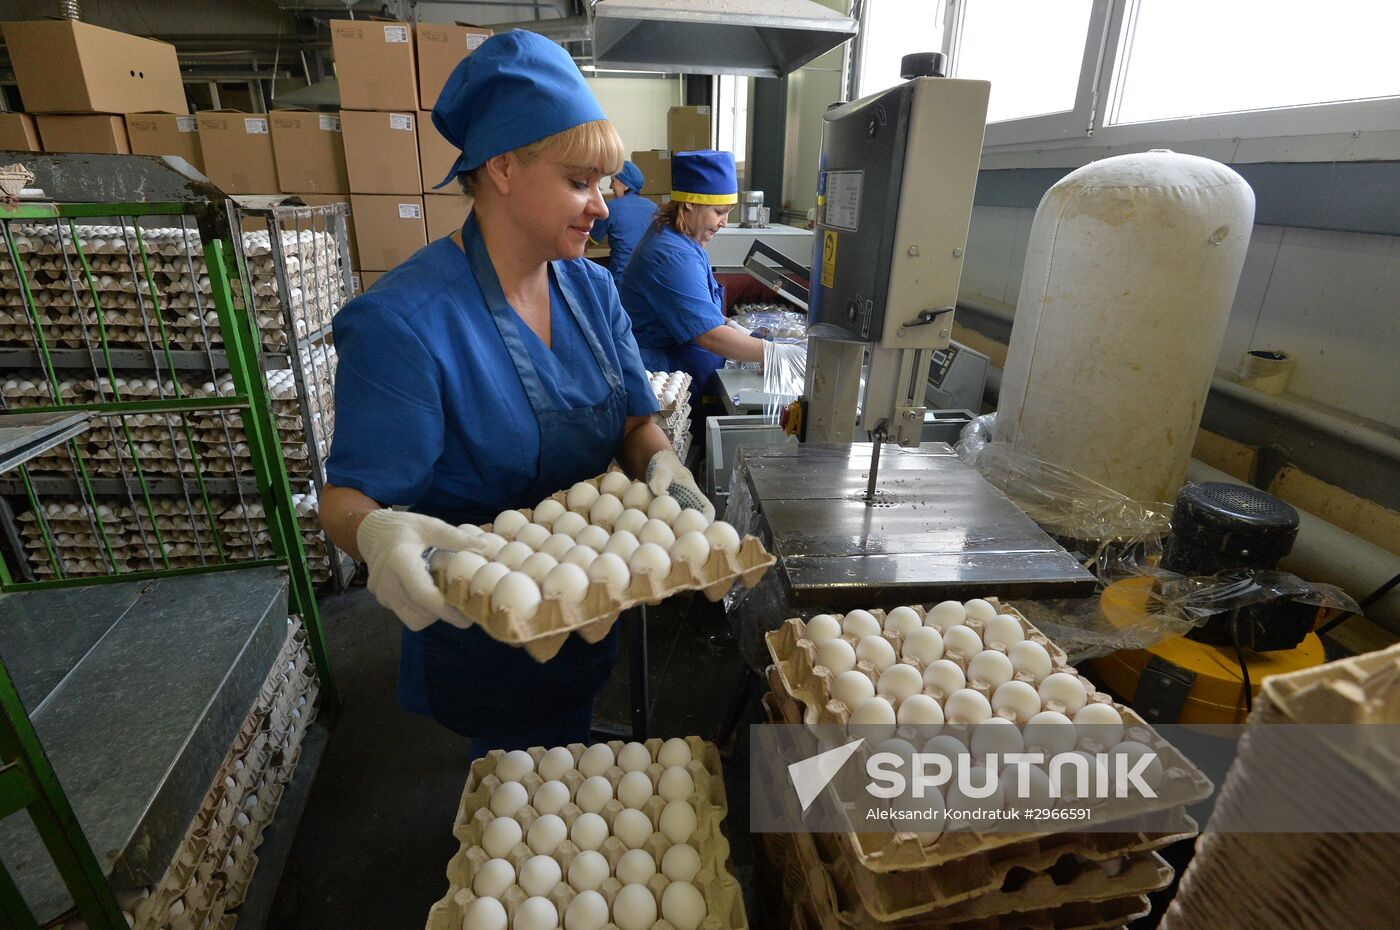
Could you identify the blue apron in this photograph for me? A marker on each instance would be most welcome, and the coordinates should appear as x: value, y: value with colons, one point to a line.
x: 475, y: 685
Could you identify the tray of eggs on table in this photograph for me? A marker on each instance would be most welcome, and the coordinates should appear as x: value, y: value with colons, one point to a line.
x: 584, y: 555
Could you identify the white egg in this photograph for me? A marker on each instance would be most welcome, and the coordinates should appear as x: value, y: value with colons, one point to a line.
x: 989, y: 668
x: 536, y: 914
x: 604, y: 511
x: 1031, y: 658
x: 1051, y: 733
x: 615, y: 483
x: 550, y: 797
x: 462, y: 565
x: 945, y: 614
x: 554, y: 763
x: 690, y: 520
x: 681, y: 863
x: 501, y: 836
x: 978, y: 609
x: 946, y: 745
x: 683, y: 906
x: 588, y: 831
x: 558, y: 545
x: 692, y: 548
x: 997, y: 735
x: 837, y: 655
x: 570, y: 524
x: 1101, y: 723
x: 659, y: 533
x: 471, y: 529
x: 876, y: 650
x: 903, y: 620
x: 517, y: 594
x: 675, y: 784
x: 821, y: 628
x: 533, y: 535
x: 514, y: 554
x: 622, y: 544
x: 593, y: 793
x: 923, y: 645
x: 634, y: 908
x: 632, y: 520
x: 632, y: 827
x: 545, y: 834
x: 876, y: 719
x: 966, y: 706
x: 567, y: 582
x: 851, y: 688
x: 588, y: 870
x: 722, y: 537
x: 962, y: 640
x: 664, y: 508
x: 860, y: 624
x: 582, y: 556
x: 635, y: 867
x: 900, y: 681
x: 508, y: 523
x: 1153, y: 774
x: 487, y: 577
x: 547, y: 512
x: 594, y: 537
x: 1003, y: 630
x: 919, y: 710
x: 538, y: 566
x: 1018, y: 699
x: 596, y: 760
x: 635, y: 789
x: 1063, y: 690
x: 492, y: 878
x: 587, y: 911
x: 957, y: 801
x: 581, y: 497
x: 514, y: 765
x: 675, y: 751
x: 678, y: 821
x: 509, y: 798
x: 633, y: 758
x: 484, y: 914
x: 638, y: 496
x: 487, y: 544
x: 539, y: 875
x: 650, y: 559
x: 610, y: 570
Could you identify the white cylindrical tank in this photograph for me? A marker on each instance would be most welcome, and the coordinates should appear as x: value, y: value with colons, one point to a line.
x: 1129, y: 278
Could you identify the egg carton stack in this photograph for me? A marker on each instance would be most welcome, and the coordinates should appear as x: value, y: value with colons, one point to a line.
x: 247, y: 536
x: 612, y: 836
x: 978, y: 678
x: 576, y: 561
x: 311, y: 262
x: 672, y: 390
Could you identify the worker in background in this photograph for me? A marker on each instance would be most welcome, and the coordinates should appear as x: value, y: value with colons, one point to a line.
x: 629, y: 215
x: 491, y: 369
x: 669, y: 290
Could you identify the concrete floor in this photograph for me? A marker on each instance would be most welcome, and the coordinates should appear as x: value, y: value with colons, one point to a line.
x: 372, y: 849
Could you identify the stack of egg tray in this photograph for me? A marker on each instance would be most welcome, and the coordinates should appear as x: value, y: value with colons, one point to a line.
x: 724, y: 902
x: 1270, y: 881
x: 962, y: 879
x: 674, y: 415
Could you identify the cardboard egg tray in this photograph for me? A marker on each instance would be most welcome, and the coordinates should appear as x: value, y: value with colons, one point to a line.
x: 723, y: 897
x: 808, y: 686
x: 667, y: 411
x: 544, y: 634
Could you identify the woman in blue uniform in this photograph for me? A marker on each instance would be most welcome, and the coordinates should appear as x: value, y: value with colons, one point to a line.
x: 491, y: 369
x: 628, y: 217
x: 669, y: 291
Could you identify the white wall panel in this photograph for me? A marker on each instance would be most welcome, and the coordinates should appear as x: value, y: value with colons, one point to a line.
x: 637, y: 107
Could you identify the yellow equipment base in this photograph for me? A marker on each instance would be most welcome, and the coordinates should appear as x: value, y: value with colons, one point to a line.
x: 1217, y: 695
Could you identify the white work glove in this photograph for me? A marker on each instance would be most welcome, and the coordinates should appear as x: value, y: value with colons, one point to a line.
x: 666, y: 475
x: 393, y: 543
x: 733, y: 325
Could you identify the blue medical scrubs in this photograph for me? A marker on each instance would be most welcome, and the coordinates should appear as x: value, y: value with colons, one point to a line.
x: 672, y: 297
x: 447, y: 402
x: 627, y: 221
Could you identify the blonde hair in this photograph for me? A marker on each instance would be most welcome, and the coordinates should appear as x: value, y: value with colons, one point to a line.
x: 595, y: 143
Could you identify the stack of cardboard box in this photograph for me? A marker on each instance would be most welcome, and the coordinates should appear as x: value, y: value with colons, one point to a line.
x: 687, y: 130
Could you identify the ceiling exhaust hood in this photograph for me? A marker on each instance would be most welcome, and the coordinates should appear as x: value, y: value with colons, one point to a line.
x: 757, y: 38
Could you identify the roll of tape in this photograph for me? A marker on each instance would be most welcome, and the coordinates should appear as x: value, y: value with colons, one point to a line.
x: 1266, y: 370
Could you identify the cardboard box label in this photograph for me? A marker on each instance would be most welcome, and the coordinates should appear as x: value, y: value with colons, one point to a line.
x: 330, y: 123
x: 663, y: 156
x: 703, y: 111
x: 349, y: 32
x: 400, y: 121
x: 410, y: 211
x: 474, y: 41
x: 186, y: 124
x: 395, y: 33
x: 255, y: 125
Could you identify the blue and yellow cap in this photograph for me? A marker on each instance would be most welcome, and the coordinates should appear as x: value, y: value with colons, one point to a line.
x: 516, y: 88
x: 705, y: 178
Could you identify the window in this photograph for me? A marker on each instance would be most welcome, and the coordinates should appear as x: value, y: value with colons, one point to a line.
x: 732, y: 115
x: 1031, y: 51
x: 891, y: 29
